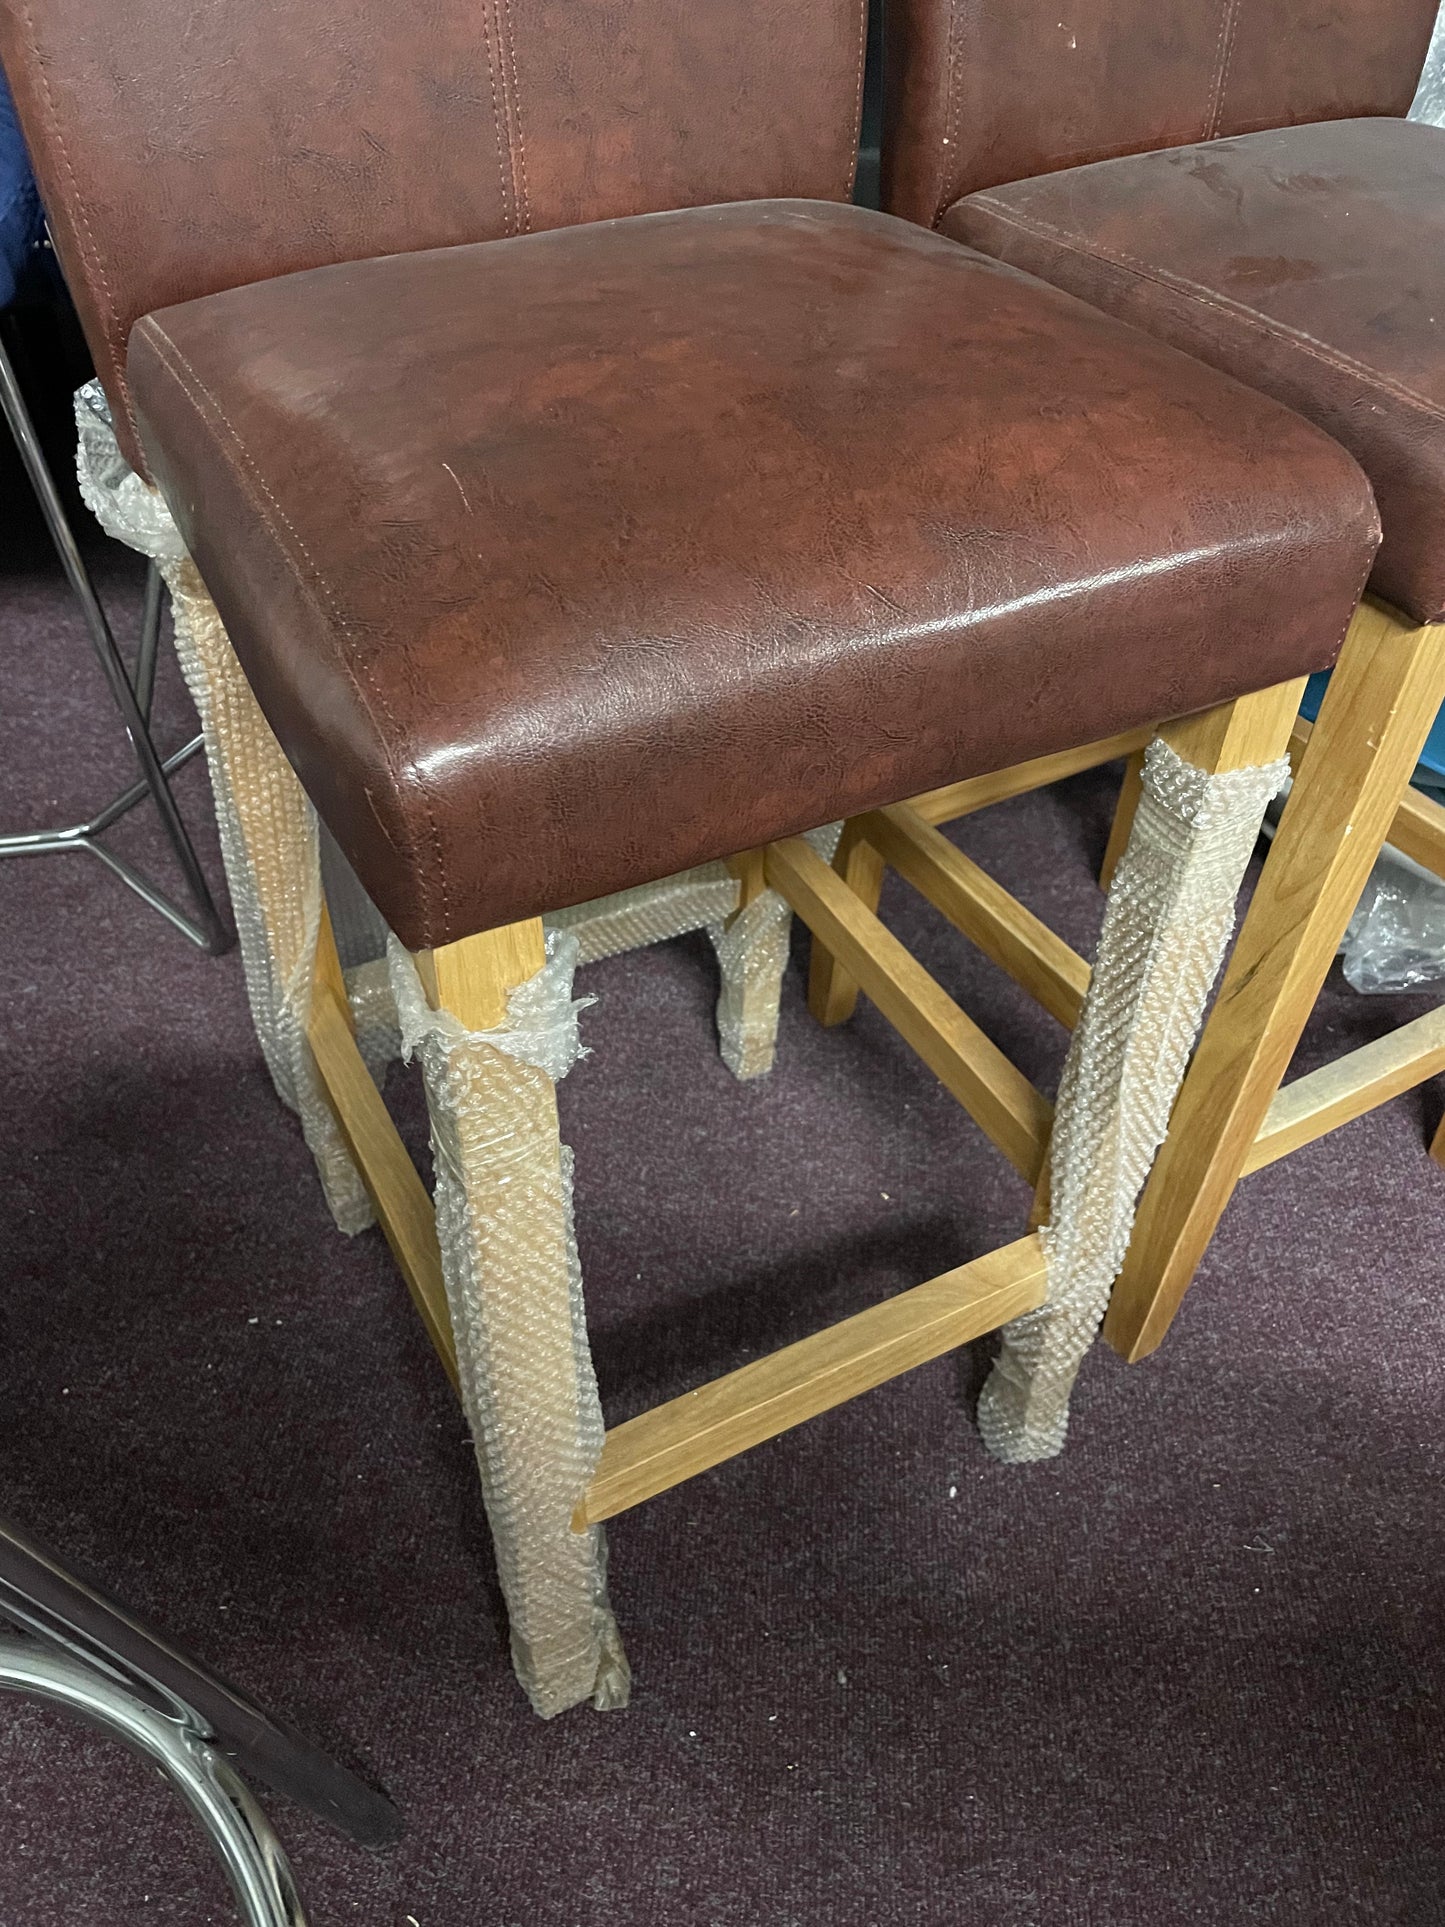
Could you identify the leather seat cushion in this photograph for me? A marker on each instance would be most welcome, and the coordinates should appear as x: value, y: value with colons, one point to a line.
x: 1308, y: 262
x: 563, y: 562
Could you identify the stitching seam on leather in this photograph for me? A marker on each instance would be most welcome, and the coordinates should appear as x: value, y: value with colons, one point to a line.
x: 519, y: 152
x: 1223, y: 93
x: 852, y: 180
x: 950, y: 108
x: 504, y: 146
x: 90, y: 256
x: 311, y: 581
x: 1309, y: 344
x: 1364, y: 584
x: 1223, y: 54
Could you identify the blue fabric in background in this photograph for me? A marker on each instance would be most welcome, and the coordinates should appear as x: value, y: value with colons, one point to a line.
x: 1432, y: 756
x: 21, y: 221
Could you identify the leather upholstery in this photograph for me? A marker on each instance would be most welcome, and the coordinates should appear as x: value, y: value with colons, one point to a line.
x: 185, y: 146
x: 1309, y: 263
x: 567, y: 561
x: 984, y: 91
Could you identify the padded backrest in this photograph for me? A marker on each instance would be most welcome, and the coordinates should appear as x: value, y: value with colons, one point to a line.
x: 985, y: 91
x: 184, y: 146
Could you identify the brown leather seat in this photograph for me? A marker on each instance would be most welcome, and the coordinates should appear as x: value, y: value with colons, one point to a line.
x: 1309, y: 262
x: 566, y: 561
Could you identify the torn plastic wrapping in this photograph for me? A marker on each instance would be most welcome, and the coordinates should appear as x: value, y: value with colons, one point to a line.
x: 1396, y: 938
x: 1168, y: 921
x: 751, y: 947
x: 267, y: 827
x: 1429, y: 102
x: 514, y: 1290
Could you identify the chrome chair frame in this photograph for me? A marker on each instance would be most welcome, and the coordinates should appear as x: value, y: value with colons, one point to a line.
x: 76, y: 1648
x: 133, y: 698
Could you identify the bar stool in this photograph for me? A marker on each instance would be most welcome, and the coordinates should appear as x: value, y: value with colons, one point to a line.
x: 1307, y: 262
x: 612, y: 511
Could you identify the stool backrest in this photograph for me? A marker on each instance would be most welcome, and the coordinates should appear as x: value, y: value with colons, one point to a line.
x: 185, y: 146
x: 986, y: 91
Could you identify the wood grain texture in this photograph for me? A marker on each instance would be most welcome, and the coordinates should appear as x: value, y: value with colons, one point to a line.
x: 1418, y: 830
x: 474, y: 977
x: 747, y: 867
x: 978, y: 792
x: 1326, y: 1098
x: 1244, y: 734
x: 1012, y: 936
x: 832, y: 993
x: 1379, y: 706
x: 688, y: 1435
x: 1130, y: 790
x: 991, y: 1089
x: 398, y: 1196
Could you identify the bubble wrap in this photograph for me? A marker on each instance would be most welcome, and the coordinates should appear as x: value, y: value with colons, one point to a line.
x: 268, y: 829
x: 752, y: 954
x: 1396, y: 938
x: 651, y: 913
x: 1429, y: 103
x: 752, y: 949
x: 1169, y: 917
x: 514, y: 1290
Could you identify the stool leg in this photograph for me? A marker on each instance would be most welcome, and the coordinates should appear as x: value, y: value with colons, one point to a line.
x: 1437, y: 1144
x: 267, y: 828
x: 832, y: 993
x: 1124, y: 810
x: 494, y: 1021
x: 1388, y: 686
x: 752, y: 953
x: 1205, y: 786
x: 270, y: 848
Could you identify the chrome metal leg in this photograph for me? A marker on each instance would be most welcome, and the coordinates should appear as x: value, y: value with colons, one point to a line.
x: 178, y: 1743
x: 150, y: 631
x: 73, y: 1618
x: 133, y: 700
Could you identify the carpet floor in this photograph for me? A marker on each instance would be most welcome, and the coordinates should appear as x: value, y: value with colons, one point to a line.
x: 1190, y: 1672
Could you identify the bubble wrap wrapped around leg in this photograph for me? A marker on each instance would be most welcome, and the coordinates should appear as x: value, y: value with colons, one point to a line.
x: 514, y: 1290
x: 752, y: 954
x: 1170, y: 913
x: 1429, y: 103
x: 268, y: 830
x: 651, y: 913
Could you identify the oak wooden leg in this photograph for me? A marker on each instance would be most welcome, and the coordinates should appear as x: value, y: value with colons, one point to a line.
x: 1130, y: 791
x: 1043, y: 1192
x: 1389, y: 683
x: 269, y: 847
x: 1168, y: 922
x: 398, y: 1196
x: 752, y: 955
x: 1437, y: 1144
x: 832, y: 993
x: 513, y: 1286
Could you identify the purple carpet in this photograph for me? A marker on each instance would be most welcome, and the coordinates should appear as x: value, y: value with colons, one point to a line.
x: 1190, y: 1672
